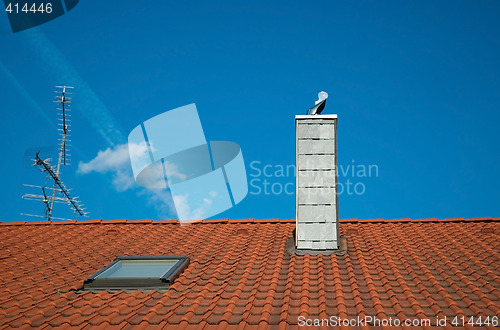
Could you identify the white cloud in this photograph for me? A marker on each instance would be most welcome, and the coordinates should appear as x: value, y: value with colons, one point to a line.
x: 116, y: 162
x: 161, y: 201
x: 112, y: 160
x: 186, y: 211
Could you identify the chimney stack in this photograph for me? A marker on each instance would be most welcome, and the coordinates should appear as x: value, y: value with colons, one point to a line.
x: 316, y: 183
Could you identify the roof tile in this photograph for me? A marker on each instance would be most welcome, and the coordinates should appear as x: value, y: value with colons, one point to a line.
x: 241, y: 277
x: 241, y: 221
x: 139, y: 221
x: 114, y: 221
x: 271, y: 220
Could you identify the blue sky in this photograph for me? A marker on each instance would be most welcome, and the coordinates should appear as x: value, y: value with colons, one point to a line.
x: 416, y: 86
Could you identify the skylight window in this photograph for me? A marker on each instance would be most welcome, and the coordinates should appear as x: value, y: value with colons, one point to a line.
x: 138, y: 272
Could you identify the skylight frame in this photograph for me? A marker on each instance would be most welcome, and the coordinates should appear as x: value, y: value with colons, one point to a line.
x: 94, y: 282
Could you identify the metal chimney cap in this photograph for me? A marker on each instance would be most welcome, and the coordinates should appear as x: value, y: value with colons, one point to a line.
x: 319, y: 105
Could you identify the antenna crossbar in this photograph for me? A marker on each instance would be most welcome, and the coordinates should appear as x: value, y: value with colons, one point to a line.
x: 46, y: 167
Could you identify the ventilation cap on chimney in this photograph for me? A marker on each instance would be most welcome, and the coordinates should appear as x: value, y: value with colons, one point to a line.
x: 319, y: 105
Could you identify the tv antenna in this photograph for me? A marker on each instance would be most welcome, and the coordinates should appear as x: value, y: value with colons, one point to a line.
x: 44, y: 165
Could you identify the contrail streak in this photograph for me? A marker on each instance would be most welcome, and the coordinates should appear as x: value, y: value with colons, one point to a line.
x: 60, y: 69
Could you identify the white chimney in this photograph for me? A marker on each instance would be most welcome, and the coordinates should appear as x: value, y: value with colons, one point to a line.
x: 316, y: 182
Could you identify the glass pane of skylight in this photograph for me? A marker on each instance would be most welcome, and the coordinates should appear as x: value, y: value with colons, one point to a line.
x: 138, y: 269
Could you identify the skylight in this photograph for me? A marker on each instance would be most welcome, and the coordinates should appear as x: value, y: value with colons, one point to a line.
x: 138, y: 272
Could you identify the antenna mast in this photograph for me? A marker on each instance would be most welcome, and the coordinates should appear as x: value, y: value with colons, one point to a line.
x: 64, y: 121
x: 64, y: 102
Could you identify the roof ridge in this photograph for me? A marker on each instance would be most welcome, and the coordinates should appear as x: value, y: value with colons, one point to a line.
x: 381, y: 220
x: 88, y: 222
x: 235, y: 221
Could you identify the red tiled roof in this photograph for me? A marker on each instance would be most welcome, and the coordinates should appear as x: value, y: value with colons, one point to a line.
x: 241, y: 274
